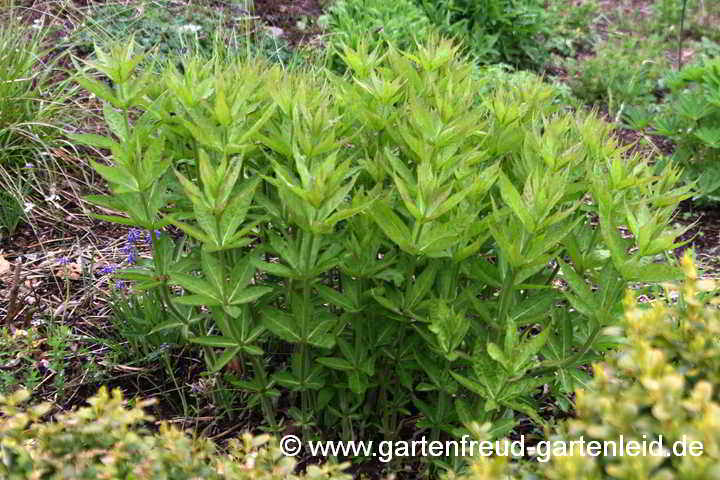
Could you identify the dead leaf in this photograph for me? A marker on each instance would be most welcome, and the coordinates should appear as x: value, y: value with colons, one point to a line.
x: 11, y: 364
x: 5, y: 266
x: 127, y: 368
x: 71, y: 271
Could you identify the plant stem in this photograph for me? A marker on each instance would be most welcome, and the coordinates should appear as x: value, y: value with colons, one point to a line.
x: 264, y: 400
x: 168, y: 368
x: 506, y: 296
x: 555, y: 364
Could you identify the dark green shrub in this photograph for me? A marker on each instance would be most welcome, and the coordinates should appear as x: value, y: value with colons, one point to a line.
x: 691, y: 118
x: 699, y: 19
x: 664, y: 382
x: 508, y: 31
x: 398, y: 240
x: 623, y: 72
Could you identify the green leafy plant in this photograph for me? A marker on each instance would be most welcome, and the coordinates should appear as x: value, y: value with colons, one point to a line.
x: 505, y: 31
x: 376, y: 22
x: 33, y: 109
x: 31, y: 104
x: 170, y: 29
x: 382, y: 244
x: 677, y: 19
x: 11, y: 212
x: 136, y: 316
x: 572, y: 27
x: 691, y: 118
x: 33, y: 356
x: 663, y: 383
x: 615, y: 77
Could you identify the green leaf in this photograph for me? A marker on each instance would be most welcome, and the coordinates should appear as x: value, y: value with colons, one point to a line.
x: 514, y: 200
x: 531, y: 347
x: 287, y: 380
x: 224, y: 359
x: 249, y: 294
x: 498, y: 355
x: 532, y: 307
x: 391, y: 225
x: 276, y: 269
x: 281, y: 325
x: 576, y: 282
x: 116, y: 122
x: 421, y: 287
x: 191, y: 231
x: 117, y: 175
x: 336, y: 363
x: 196, y: 285
x: 215, y: 341
x: 653, y: 272
x: 357, y: 383
x: 320, y: 334
x: 214, y: 271
x: 471, y: 385
x: 337, y: 298
x: 430, y: 368
x: 99, y: 89
x: 253, y: 350
x: 222, y: 111
x: 197, y: 300
x: 93, y: 140
x: 169, y: 325
x: 523, y: 407
x: 135, y: 274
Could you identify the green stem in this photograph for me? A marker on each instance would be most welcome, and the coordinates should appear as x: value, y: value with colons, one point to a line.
x: 266, y: 403
x: 346, y: 426
x: 506, y: 296
x: 168, y: 368
x: 555, y: 364
x: 556, y: 269
x: 166, y: 296
x: 593, y: 239
x: 416, y: 232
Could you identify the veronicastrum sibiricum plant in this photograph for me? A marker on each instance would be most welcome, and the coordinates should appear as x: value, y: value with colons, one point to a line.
x: 415, y: 248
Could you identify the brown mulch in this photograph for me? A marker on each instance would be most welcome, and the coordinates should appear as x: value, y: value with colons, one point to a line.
x: 704, y: 235
x: 289, y: 15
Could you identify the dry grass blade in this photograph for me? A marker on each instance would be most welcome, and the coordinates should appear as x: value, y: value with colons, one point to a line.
x: 15, y: 307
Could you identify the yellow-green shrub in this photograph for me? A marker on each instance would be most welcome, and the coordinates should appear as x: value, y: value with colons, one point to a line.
x: 664, y: 383
x: 106, y: 440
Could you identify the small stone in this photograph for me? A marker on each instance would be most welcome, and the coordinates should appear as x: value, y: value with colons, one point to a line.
x: 275, y: 32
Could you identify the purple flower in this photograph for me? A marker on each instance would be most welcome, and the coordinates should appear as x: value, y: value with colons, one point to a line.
x: 135, y: 235
x: 130, y: 250
x: 149, y: 236
x: 132, y: 255
x: 120, y: 285
x: 63, y: 260
x: 108, y: 269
